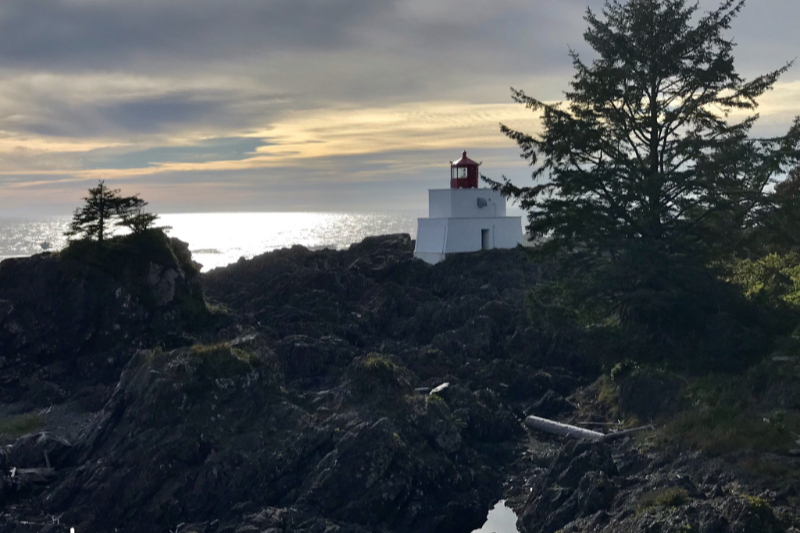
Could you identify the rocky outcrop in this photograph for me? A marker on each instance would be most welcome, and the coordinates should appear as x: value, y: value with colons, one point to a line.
x: 209, y: 435
x: 615, y: 487
x: 376, y: 297
x: 353, y: 391
x: 303, y: 408
x: 75, y: 317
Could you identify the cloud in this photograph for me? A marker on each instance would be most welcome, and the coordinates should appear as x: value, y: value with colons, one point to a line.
x: 310, y: 138
x: 218, y: 149
x: 225, y: 102
x: 69, y: 34
x: 322, y: 48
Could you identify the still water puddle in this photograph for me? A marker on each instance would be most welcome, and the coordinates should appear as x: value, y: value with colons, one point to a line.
x: 501, y: 519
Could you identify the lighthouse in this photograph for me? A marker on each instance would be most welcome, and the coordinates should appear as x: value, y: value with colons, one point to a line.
x: 465, y: 218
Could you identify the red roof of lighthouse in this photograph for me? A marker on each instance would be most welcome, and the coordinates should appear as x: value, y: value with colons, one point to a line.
x: 464, y: 161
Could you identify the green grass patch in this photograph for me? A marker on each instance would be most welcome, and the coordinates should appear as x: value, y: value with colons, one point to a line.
x: 726, y: 414
x: 602, y: 397
x: 14, y: 426
x: 379, y: 366
x: 761, y: 516
x: 724, y: 429
x: 202, y: 363
x: 193, y: 309
x: 758, y: 505
x: 376, y: 375
x: 221, y: 360
x: 671, y: 497
x: 771, y: 467
x: 608, y: 392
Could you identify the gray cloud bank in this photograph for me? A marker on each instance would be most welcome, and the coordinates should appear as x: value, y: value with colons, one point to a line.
x: 151, y: 81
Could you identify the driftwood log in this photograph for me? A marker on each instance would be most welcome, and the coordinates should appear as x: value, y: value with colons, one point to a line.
x: 33, y: 475
x: 575, y: 432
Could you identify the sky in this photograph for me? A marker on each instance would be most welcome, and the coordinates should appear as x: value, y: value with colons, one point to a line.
x: 297, y: 105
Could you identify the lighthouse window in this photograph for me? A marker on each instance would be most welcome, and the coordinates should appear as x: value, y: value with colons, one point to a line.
x: 462, y: 172
x: 454, y: 173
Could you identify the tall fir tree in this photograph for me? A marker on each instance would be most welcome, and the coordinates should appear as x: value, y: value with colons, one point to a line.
x: 643, y: 152
x: 646, y: 176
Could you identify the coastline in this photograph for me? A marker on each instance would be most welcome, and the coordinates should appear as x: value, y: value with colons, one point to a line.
x: 219, y: 239
x: 352, y: 390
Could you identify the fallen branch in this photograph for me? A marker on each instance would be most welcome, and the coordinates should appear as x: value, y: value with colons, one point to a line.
x: 626, y: 432
x: 575, y: 432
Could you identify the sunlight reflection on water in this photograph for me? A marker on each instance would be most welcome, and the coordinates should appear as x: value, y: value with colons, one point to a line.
x: 217, y: 239
x: 21, y: 237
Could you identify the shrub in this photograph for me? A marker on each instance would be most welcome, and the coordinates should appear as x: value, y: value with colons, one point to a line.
x: 377, y: 375
x: 649, y: 309
x: 608, y: 393
x: 15, y: 426
x: 773, y: 279
x: 221, y: 360
x: 128, y: 253
x: 726, y: 414
x: 379, y: 366
x: 622, y: 370
x: 723, y: 429
x: 671, y: 497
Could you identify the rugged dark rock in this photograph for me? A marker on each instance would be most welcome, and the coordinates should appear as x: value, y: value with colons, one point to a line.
x: 313, y: 399
x: 74, y: 318
x: 550, y: 405
x: 295, y: 404
x: 578, y: 484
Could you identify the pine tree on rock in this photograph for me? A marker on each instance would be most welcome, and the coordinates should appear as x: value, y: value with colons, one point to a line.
x: 133, y: 216
x: 643, y: 152
x: 95, y: 218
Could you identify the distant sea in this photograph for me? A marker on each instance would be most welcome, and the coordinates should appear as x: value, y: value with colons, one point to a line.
x: 218, y: 239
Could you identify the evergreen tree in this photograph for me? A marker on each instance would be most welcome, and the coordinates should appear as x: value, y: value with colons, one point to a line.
x: 642, y: 181
x: 94, y: 219
x: 777, y: 226
x: 642, y: 153
x: 132, y: 214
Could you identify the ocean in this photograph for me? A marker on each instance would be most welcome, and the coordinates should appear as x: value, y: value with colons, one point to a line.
x: 218, y: 239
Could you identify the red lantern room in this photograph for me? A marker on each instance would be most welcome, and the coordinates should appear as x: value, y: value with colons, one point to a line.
x: 464, y: 173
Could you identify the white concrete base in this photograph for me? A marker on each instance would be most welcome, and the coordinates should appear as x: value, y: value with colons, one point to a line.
x: 429, y: 257
x: 465, y: 203
x: 439, y: 237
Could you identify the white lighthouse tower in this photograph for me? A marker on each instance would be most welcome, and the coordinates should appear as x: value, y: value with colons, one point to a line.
x: 465, y: 218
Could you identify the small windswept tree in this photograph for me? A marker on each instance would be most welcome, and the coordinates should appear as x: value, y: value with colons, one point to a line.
x: 133, y: 216
x: 94, y: 219
x: 104, y: 208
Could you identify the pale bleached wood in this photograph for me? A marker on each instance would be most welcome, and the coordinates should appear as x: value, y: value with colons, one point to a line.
x: 563, y: 430
x: 575, y: 432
